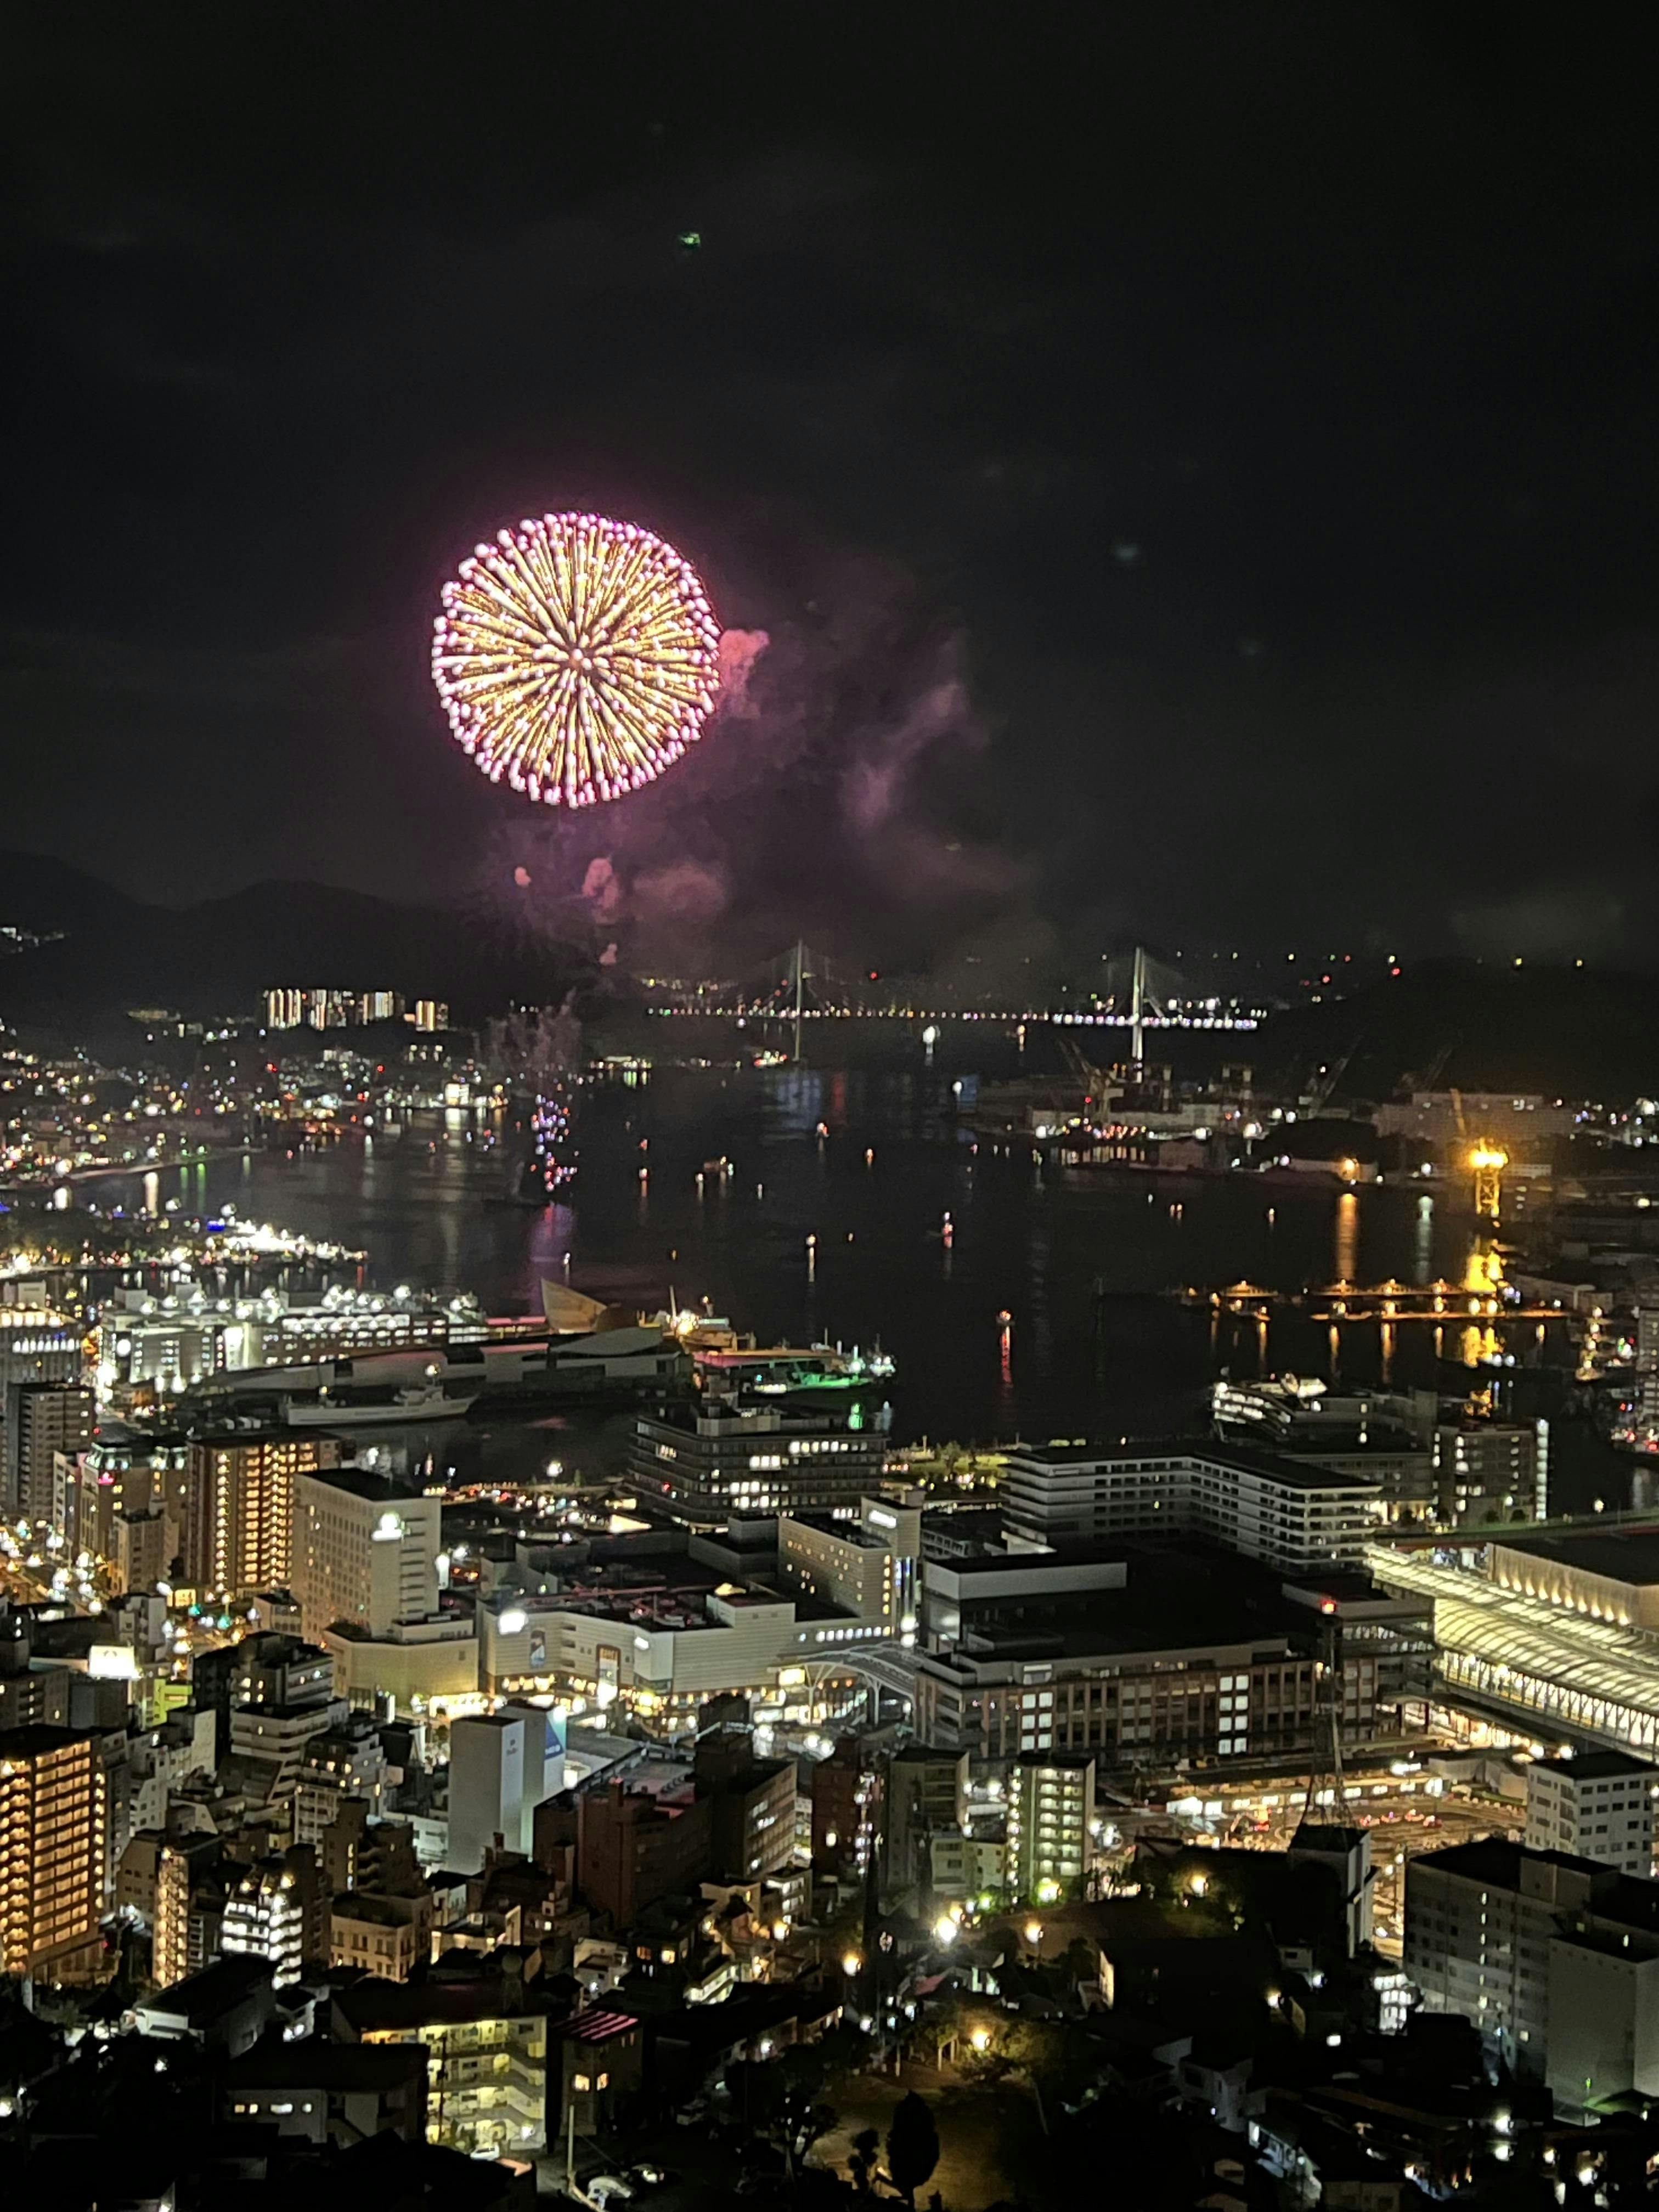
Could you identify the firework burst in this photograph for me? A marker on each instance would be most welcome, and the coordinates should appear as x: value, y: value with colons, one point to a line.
x: 576, y: 658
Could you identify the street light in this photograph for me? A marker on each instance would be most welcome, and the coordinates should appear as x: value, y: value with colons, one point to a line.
x: 945, y: 1930
x: 850, y: 1962
x: 1034, y: 1933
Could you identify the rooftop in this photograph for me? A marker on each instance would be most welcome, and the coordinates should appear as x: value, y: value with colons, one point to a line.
x: 1622, y: 1555
x: 598, y: 2026
x: 1179, y: 1595
x: 205, y: 1996
x: 1198, y: 1451
x: 374, y: 2007
x: 1596, y: 1766
x: 274, y: 2064
x: 378, y: 1489
x: 36, y: 1740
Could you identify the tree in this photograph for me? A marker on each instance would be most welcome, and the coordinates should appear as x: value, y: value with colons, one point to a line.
x: 861, y: 2165
x: 912, y: 2146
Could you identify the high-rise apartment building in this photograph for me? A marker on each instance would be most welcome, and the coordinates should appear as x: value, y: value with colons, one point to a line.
x: 52, y: 1849
x: 142, y: 1546
x: 238, y: 1532
x: 845, y: 1790
x: 365, y: 1552
x: 287, y: 1007
x: 277, y: 1911
x: 190, y: 1889
x: 44, y: 1421
x: 281, y: 1696
x: 1051, y: 1801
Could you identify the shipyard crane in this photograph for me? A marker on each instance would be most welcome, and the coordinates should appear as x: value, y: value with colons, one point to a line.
x: 1487, y: 1161
x: 1322, y: 1092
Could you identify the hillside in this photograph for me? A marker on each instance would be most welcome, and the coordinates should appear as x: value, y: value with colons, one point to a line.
x: 218, y: 957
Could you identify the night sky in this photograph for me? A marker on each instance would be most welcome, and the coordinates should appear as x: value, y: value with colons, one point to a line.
x: 1195, y: 467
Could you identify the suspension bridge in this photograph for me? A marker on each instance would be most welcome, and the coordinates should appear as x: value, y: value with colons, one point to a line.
x: 1133, y: 992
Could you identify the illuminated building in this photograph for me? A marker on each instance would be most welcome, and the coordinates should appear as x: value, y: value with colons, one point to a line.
x: 846, y: 1795
x: 239, y: 1530
x: 598, y: 2066
x: 1555, y: 1635
x: 751, y: 1799
x: 486, y: 2058
x: 499, y: 1773
x: 288, y: 1008
x: 190, y: 1908
x: 923, y: 1793
x: 277, y: 1911
x: 1146, y: 1653
x: 1554, y: 1959
x: 365, y: 1552
x: 430, y: 1014
x: 52, y: 1822
x: 142, y: 1549
x: 967, y: 1866
x: 866, y: 1567
x: 1603, y: 1805
x: 44, y: 1421
x: 723, y: 1457
x: 36, y: 1346
x: 281, y: 1695
x: 1051, y: 1802
x: 413, y: 1662
x: 389, y: 1937
x: 1433, y: 1459
x: 31, y: 1691
x: 1287, y: 1513
x: 346, y: 1759
x: 187, y: 1338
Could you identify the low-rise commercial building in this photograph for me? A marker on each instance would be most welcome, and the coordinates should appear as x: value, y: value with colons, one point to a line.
x: 1146, y: 1654
x: 725, y: 1455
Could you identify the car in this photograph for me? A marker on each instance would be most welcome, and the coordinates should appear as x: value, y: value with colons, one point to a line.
x: 606, y: 2189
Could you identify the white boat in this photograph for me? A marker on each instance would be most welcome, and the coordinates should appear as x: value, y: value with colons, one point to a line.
x: 425, y: 1401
